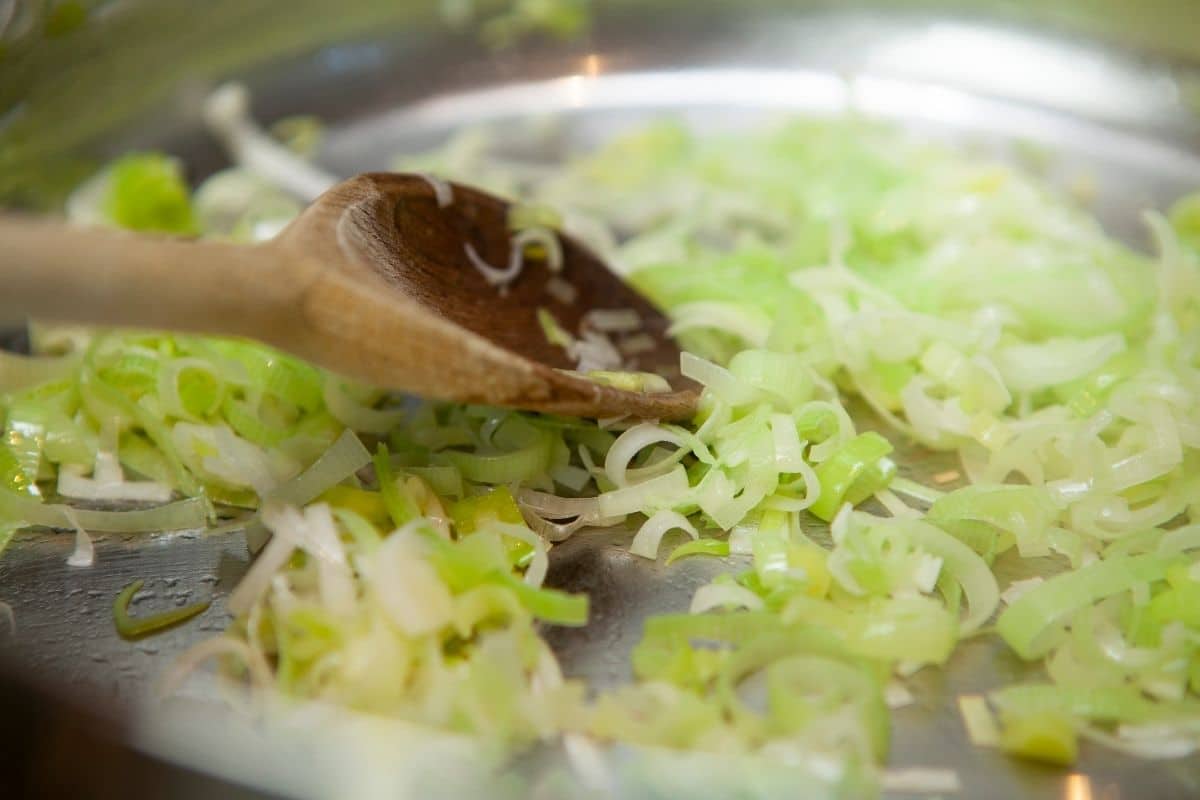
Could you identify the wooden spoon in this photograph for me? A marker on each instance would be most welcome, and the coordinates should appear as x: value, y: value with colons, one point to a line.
x: 372, y: 281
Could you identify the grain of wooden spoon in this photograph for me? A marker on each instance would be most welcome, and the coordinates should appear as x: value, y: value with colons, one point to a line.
x: 372, y: 281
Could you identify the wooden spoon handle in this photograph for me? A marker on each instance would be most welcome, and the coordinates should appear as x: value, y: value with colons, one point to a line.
x: 52, y: 270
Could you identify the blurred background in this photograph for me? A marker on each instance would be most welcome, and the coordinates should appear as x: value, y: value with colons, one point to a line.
x: 76, y: 73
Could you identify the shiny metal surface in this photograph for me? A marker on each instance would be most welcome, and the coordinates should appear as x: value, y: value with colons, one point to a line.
x: 64, y: 614
x: 1116, y: 127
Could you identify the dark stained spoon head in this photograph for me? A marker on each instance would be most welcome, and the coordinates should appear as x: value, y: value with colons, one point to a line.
x: 392, y: 233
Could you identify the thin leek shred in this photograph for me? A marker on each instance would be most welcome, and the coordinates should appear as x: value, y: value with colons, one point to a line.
x: 138, y: 627
x: 699, y: 547
x: 968, y: 306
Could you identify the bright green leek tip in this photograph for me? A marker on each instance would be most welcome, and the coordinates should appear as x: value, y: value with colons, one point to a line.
x: 1045, y: 736
x: 853, y: 473
x: 130, y: 628
x: 473, y: 513
x: 147, y: 192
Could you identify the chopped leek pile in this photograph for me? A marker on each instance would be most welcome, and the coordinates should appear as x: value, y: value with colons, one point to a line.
x: 807, y: 268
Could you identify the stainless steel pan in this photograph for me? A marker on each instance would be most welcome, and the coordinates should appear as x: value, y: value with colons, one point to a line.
x: 1108, y: 88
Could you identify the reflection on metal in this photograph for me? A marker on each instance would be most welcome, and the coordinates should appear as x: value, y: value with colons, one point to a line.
x: 799, y: 90
x: 578, y: 91
x: 1077, y: 787
x: 575, y: 90
x: 1031, y: 68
